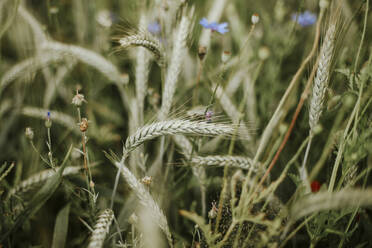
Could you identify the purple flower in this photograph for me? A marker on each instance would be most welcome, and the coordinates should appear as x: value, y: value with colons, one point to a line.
x: 154, y: 28
x: 208, y: 116
x: 305, y: 19
x: 214, y: 26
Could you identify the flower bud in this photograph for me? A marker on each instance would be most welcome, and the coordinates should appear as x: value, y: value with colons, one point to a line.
x: 48, y: 122
x: 263, y: 53
x: 29, y: 133
x: 133, y: 219
x: 255, y: 18
x: 226, y: 55
x: 323, y: 4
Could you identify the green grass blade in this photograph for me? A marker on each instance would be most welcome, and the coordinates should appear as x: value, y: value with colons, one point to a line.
x: 61, y: 227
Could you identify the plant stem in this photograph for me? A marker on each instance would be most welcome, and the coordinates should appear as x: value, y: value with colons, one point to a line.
x: 272, y: 123
x: 343, y: 140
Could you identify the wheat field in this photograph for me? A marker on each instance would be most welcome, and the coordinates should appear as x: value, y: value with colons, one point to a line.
x: 185, y: 123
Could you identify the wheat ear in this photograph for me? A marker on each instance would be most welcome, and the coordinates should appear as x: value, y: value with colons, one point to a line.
x: 101, y: 228
x: 232, y: 161
x: 174, y: 69
x: 147, y: 41
x: 37, y: 29
x: 146, y: 200
x: 27, y: 67
x: 88, y: 57
x: 331, y: 200
x: 40, y: 177
x: 171, y: 127
x: 319, y: 90
x: 322, y: 78
x: 174, y: 127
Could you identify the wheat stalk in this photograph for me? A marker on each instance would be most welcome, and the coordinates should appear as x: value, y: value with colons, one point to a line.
x: 173, y: 72
x: 101, y: 229
x: 184, y: 144
x: 235, y: 82
x: 198, y: 171
x: 146, y: 199
x: 142, y: 73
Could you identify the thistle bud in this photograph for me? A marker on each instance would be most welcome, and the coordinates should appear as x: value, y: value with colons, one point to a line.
x: 29, y: 133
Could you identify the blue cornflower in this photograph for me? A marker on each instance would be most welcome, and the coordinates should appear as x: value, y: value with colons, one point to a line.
x: 305, y: 19
x: 154, y: 28
x: 214, y: 26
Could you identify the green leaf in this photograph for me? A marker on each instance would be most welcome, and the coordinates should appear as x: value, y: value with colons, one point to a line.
x: 40, y: 198
x: 61, y: 227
